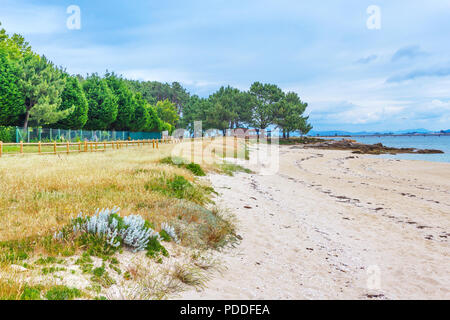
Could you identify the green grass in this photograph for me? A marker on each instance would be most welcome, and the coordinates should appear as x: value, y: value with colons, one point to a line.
x: 62, y: 293
x: 44, y: 149
x: 195, y: 168
x: 31, y: 293
x: 180, y: 188
x: 51, y: 270
x: 230, y: 169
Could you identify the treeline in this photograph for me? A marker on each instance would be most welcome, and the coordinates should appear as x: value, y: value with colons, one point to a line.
x: 262, y: 106
x: 35, y: 92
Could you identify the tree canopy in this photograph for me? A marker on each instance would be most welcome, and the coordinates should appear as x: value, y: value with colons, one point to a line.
x: 126, y: 103
x: 266, y: 99
x: 12, y: 102
x: 103, y: 106
x: 41, y: 84
x: 73, y: 98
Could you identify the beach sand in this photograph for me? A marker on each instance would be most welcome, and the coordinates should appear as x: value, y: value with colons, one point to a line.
x: 333, y: 225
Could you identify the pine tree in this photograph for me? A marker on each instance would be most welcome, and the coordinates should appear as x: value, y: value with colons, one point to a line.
x: 73, y: 97
x: 41, y: 85
x: 102, y: 103
x: 11, y: 98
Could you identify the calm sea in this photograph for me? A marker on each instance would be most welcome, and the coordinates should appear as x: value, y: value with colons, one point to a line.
x: 419, y: 142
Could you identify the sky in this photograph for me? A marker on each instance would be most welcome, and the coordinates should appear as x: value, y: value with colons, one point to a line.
x: 354, y: 77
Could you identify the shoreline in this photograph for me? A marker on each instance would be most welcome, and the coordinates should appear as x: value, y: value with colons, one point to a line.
x: 335, y: 225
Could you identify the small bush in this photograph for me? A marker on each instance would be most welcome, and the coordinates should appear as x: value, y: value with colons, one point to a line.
x: 202, y: 228
x: 102, y: 277
x: 7, y: 134
x: 189, y: 275
x: 196, y: 169
x: 30, y: 293
x: 98, y: 272
x: 180, y: 188
x: 168, y: 233
x: 106, y: 232
x: 62, y: 293
x: 15, y: 251
x: 230, y: 169
x: 44, y: 261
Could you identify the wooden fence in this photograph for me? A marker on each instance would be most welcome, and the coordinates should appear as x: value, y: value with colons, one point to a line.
x: 42, y: 148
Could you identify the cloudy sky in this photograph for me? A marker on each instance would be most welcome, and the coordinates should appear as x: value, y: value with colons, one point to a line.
x: 354, y: 78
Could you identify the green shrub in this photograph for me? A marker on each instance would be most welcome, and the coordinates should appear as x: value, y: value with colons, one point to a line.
x: 196, y: 169
x: 62, y: 293
x: 230, y: 169
x: 180, y: 188
x: 7, y: 134
x: 155, y: 248
x: 107, y: 232
x: 44, y: 261
x: 181, y: 163
x: 30, y: 293
x: 98, y: 272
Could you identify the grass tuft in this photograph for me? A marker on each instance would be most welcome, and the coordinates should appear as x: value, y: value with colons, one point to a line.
x: 230, y: 169
x: 190, y: 275
x: 62, y: 293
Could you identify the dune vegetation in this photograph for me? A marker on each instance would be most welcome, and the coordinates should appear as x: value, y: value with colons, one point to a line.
x: 46, y: 251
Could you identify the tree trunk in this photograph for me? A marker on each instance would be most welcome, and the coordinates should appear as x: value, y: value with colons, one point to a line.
x: 27, y: 117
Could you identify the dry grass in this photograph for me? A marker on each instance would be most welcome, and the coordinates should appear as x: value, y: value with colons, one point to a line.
x: 10, y: 289
x: 190, y: 275
x: 40, y: 194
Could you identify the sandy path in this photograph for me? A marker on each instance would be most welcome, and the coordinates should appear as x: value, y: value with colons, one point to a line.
x: 330, y: 225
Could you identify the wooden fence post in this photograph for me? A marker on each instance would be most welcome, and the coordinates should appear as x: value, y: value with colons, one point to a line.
x: 21, y: 147
x: 92, y: 146
x: 39, y: 147
x: 68, y: 147
x: 79, y: 146
x: 157, y: 147
x: 85, y: 146
x: 54, y: 147
x: 104, y: 146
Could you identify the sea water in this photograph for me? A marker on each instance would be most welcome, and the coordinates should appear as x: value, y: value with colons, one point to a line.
x: 418, y: 142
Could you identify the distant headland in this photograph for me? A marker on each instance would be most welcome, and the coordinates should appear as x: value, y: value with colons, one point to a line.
x: 411, y: 132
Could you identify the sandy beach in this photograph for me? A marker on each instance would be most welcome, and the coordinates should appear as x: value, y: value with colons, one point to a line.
x: 334, y: 225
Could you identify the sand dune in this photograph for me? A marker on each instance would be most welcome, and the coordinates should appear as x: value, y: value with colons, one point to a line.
x: 332, y: 225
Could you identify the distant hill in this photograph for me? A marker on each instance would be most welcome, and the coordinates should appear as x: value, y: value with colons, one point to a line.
x: 368, y: 133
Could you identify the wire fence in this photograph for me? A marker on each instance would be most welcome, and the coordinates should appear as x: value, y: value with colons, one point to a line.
x: 60, y: 135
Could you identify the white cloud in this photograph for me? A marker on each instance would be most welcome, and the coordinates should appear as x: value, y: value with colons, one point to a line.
x: 166, y: 75
x: 28, y: 19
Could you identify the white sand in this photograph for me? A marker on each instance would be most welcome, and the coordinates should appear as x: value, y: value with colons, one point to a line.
x: 325, y: 225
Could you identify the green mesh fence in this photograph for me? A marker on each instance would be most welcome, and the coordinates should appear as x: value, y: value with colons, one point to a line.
x: 48, y: 135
